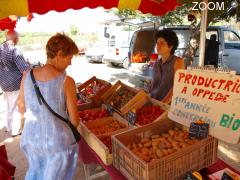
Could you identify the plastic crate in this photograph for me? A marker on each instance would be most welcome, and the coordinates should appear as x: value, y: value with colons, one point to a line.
x: 174, y: 166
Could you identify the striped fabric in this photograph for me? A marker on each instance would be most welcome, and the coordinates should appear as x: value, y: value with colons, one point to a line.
x: 24, y: 7
x: 12, y: 64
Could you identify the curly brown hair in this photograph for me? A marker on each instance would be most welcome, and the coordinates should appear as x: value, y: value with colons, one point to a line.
x: 61, y: 42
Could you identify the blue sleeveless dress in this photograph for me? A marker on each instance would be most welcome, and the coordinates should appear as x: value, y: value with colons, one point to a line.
x: 47, y: 141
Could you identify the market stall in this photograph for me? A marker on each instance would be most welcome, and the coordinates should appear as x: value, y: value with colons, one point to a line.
x: 169, y: 142
x: 161, y: 145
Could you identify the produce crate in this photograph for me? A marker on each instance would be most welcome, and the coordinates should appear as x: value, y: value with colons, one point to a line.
x: 95, y: 98
x: 174, y: 166
x: 92, y: 114
x: 95, y: 143
x: 146, y: 100
x: 88, y: 105
x: 115, y: 89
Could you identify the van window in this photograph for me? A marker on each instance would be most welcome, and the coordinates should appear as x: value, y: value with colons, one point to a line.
x: 211, y: 33
x: 231, y: 40
x: 183, y: 37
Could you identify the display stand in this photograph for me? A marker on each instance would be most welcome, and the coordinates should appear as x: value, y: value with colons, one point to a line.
x: 88, y: 175
x: 88, y: 156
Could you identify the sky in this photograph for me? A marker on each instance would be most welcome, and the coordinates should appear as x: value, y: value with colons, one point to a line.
x: 87, y: 20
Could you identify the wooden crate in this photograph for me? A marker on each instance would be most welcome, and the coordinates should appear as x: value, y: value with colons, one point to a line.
x: 95, y: 143
x: 148, y: 100
x: 89, y: 105
x: 174, y: 166
x: 96, y: 99
x: 115, y: 88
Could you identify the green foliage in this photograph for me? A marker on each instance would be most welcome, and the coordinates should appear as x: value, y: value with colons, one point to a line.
x: 174, y: 17
x: 2, y: 36
x: 216, y: 15
x: 74, y: 30
x: 177, y: 16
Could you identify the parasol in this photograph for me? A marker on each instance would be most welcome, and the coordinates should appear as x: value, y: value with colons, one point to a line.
x: 24, y: 7
x: 7, y: 23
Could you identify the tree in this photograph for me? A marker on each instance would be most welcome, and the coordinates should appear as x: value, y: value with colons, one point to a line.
x: 214, y: 15
x: 74, y: 30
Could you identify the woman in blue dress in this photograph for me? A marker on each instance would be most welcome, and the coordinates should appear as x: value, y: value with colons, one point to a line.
x: 47, y: 141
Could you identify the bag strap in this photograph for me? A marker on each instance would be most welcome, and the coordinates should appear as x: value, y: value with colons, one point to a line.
x: 41, y: 99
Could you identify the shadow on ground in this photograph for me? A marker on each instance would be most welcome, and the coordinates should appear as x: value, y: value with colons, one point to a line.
x: 132, y: 79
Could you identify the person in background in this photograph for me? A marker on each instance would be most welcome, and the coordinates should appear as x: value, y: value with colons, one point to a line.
x: 12, y: 68
x: 47, y: 141
x: 164, y: 69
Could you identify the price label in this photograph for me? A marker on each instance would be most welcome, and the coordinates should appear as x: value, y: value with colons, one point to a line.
x: 189, y: 176
x: 131, y: 117
x: 198, y: 130
x: 109, y: 108
x: 226, y: 176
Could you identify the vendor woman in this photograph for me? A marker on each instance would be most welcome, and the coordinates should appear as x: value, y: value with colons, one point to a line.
x: 165, y: 68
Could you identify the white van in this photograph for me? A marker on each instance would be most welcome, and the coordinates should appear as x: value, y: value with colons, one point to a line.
x: 222, y: 45
x: 117, y: 48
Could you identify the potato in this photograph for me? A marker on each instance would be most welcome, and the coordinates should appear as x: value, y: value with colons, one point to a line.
x: 145, y: 151
x: 148, y: 144
x: 183, y: 144
x: 177, y: 129
x: 171, y: 132
x: 169, y: 139
x: 165, y: 152
x: 140, y: 145
x: 165, y: 135
x: 134, y: 145
x: 179, y: 138
x: 168, y: 145
x: 159, y: 153
x: 155, y: 136
x: 146, y: 158
x: 129, y: 146
x: 159, y: 139
x: 170, y: 151
x: 144, y: 140
x: 161, y: 145
x: 174, y: 143
x: 155, y: 143
x: 178, y: 147
x: 181, y: 134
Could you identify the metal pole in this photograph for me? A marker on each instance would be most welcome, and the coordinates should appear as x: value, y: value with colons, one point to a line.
x: 203, y: 34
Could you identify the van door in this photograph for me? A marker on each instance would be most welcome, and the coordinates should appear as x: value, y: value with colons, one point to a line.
x: 212, y: 45
x: 231, y: 51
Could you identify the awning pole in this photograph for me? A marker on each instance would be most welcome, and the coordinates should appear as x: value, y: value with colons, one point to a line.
x: 203, y: 34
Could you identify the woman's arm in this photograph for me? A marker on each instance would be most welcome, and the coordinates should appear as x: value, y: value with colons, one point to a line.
x: 71, y: 100
x: 21, y: 100
x: 179, y: 64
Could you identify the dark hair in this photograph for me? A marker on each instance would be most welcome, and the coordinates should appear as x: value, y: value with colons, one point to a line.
x: 61, y: 42
x: 169, y: 36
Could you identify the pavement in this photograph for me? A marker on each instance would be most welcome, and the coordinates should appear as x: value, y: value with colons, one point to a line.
x: 81, y: 71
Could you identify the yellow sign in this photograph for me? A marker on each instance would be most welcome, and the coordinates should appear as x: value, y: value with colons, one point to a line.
x: 213, y: 97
